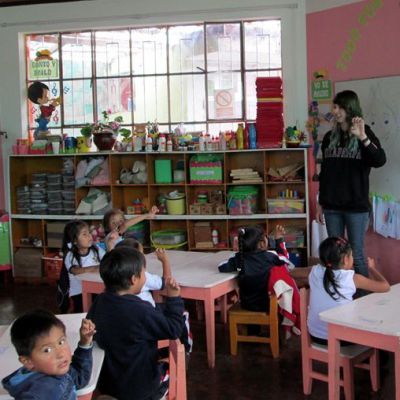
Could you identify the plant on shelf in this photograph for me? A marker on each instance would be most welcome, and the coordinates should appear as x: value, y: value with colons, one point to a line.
x: 105, y: 132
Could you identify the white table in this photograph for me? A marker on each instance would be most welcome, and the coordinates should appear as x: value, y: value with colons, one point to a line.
x: 9, y: 358
x: 372, y: 321
x: 197, y: 274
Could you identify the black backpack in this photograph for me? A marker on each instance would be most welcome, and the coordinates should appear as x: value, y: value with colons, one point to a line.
x: 62, y: 295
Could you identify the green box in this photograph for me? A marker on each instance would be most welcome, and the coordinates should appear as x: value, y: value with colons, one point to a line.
x: 163, y: 171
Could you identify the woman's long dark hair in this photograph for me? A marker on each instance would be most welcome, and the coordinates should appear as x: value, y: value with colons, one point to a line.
x: 248, y: 240
x: 331, y: 253
x: 350, y: 103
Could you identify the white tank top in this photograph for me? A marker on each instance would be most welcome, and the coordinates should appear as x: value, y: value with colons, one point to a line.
x: 321, y: 301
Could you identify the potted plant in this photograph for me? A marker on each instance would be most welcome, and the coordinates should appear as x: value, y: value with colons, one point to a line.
x: 126, y: 139
x: 105, y: 132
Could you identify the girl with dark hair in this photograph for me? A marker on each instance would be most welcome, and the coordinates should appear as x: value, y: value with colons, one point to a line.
x: 80, y: 256
x: 334, y: 282
x: 254, y: 262
x: 349, y: 151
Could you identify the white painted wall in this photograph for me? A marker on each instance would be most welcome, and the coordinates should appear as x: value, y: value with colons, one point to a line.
x: 15, y: 21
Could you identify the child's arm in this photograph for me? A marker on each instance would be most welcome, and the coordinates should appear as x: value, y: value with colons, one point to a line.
x: 166, y: 266
x: 82, y: 360
x: 76, y: 270
x: 87, y: 331
x: 280, y: 247
x: 136, y: 220
x: 375, y: 283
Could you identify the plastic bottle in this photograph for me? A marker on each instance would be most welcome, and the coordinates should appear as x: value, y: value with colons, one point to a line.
x: 208, y: 142
x: 169, y: 144
x: 149, y: 144
x: 252, y: 136
x: 215, y: 236
x: 222, y: 141
x: 246, y: 143
x: 201, y: 143
x: 239, y: 137
x: 162, y: 142
x: 138, y: 143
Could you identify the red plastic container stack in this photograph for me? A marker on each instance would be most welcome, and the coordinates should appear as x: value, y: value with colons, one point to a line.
x: 269, y: 120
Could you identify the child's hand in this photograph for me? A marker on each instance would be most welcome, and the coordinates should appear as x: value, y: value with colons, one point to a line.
x: 371, y: 263
x: 88, y: 329
x: 111, y: 239
x: 173, y: 288
x: 161, y: 255
x: 154, y: 210
x: 279, y: 232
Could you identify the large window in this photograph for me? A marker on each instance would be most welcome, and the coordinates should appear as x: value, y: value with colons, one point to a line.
x: 202, y: 75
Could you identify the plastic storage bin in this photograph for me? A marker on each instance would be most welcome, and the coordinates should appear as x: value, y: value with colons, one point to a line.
x: 137, y: 231
x: 285, y: 206
x: 242, y: 200
x: 169, y: 238
x: 205, y: 169
x: 52, y: 267
x: 176, y: 204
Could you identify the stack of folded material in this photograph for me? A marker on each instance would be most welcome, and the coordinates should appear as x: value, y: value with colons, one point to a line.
x: 269, y: 121
x: 245, y: 175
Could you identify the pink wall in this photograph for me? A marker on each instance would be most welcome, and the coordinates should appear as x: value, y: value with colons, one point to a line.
x: 358, y: 41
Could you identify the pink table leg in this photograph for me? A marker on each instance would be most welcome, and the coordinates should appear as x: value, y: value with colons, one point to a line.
x: 209, y: 310
x: 333, y: 363
x: 397, y: 371
x: 223, y: 304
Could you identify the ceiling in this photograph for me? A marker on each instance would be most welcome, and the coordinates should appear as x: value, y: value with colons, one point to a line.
x: 9, y: 3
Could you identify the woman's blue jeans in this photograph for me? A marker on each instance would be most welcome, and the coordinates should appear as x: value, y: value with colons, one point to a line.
x: 356, y: 225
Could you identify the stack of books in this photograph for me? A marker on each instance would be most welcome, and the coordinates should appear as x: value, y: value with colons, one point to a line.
x: 245, y: 175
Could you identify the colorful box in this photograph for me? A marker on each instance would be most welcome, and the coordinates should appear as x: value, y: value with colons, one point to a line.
x: 285, y: 206
x: 52, y: 267
x: 206, y: 169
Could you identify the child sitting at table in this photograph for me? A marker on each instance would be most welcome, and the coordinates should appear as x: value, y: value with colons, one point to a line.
x: 114, y: 221
x: 128, y: 328
x: 49, y: 370
x: 334, y: 282
x: 80, y: 256
x: 254, y: 262
x: 156, y: 282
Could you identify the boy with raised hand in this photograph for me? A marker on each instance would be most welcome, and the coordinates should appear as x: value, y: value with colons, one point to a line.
x: 128, y: 328
x: 49, y: 370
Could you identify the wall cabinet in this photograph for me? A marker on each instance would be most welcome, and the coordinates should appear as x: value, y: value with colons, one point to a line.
x: 262, y: 161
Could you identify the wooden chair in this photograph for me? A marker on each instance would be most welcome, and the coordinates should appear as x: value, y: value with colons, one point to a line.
x: 239, y: 316
x: 177, y: 369
x: 350, y: 357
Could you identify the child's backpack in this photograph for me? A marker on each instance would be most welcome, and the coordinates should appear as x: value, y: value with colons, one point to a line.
x: 62, y: 296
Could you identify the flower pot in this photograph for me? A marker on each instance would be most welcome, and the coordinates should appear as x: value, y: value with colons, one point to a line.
x: 84, y: 144
x: 104, y: 140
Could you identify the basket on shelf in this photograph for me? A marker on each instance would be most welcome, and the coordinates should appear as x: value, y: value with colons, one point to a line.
x: 169, y: 238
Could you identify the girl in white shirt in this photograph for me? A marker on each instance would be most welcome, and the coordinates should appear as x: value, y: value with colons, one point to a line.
x: 80, y: 256
x: 334, y: 282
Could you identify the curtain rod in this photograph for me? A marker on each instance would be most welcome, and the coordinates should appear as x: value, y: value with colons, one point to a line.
x: 139, y: 17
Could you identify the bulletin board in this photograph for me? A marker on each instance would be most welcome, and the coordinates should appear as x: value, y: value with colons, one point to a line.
x: 380, y: 102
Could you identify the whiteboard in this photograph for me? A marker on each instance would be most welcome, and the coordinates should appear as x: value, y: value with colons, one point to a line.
x: 380, y: 102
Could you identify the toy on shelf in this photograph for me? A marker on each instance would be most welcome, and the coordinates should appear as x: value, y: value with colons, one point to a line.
x: 287, y: 202
x: 208, y: 202
x: 292, y: 172
x: 136, y: 208
x: 293, y: 137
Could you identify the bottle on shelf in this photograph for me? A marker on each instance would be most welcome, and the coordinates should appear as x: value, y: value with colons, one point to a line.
x: 222, y: 141
x: 239, y: 137
x: 246, y: 137
x: 162, y: 143
x: 149, y: 144
x: 215, y: 236
x: 252, y: 136
x: 138, y: 143
x: 169, y: 144
x: 202, y: 146
x: 208, y: 142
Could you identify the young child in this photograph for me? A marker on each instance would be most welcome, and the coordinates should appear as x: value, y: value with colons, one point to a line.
x: 115, y: 225
x: 334, y: 282
x: 80, y: 256
x: 49, y: 370
x: 128, y: 328
x: 153, y: 282
x: 254, y: 262
x: 156, y: 282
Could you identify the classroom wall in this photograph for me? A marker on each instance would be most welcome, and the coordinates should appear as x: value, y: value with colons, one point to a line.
x: 358, y: 41
x: 14, y: 21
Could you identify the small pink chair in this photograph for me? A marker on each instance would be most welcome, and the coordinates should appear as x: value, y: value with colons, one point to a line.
x: 177, y: 369
x: 350, y: 357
